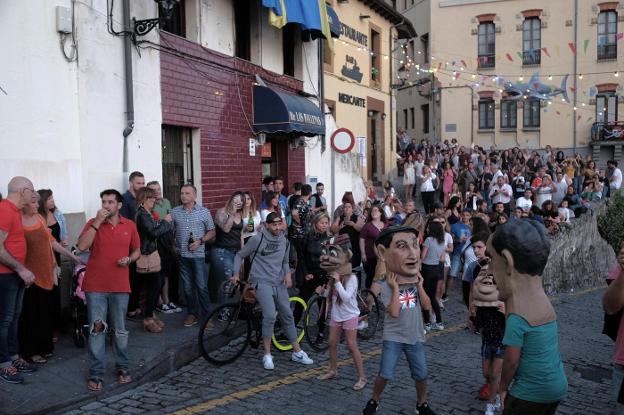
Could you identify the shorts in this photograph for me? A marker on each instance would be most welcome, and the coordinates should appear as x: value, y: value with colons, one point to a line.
x: 447, y: 261
x: 351, y: 324
x: 414, y: 353
x: 456, y: 265
x: 489, y: 351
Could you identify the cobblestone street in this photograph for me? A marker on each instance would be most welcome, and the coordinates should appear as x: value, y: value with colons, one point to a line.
x: 454, y: 376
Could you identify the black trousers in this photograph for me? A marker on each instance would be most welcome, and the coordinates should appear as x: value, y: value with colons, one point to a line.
x: 431, y: 276
x: 466, y: 286
x: 153, y: 286
x: 136, y: 285
x: 515, y: 406
x: 428, y: 201
x: 36, y: 322
x: 369, y: 270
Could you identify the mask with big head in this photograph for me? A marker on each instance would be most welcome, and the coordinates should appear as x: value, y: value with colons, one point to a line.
x: 484, y: 290
x: 336, y: 255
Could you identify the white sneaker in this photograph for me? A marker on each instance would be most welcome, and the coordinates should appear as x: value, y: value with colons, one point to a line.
x: 440, y: 304
x: 498, y: 402
x: 301, y: 357
x: 437, y: 326
x: 267, y: 362
x: 427, y: 328
x: 490, y: 409
x: 363, y: 324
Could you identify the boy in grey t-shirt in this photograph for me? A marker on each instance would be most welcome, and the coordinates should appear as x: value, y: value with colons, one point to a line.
x: 403, y: 295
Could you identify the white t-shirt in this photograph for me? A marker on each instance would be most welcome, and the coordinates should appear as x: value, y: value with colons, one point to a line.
x: 562, y: 188
x: 500, y: 197
x: 257, y: 219
x: 524, y: 203
x: 616, y: 178
x: 427, y: 184
x: 418, y: 166
x: 348, y: 309
x: 265, y: 212
x: 542, y: 194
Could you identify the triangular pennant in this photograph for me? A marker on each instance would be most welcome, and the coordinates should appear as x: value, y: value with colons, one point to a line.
x: 557, y: 49
x: 509, y: 57
x: 535, y: 85
x: 619, y: 36
x: 546, y: 52
x: 578, y: 118
x: 572, y: 47
x: 519, y: 55
x: 572, y: 89
x: 585, y: 44
x: 464, y: 63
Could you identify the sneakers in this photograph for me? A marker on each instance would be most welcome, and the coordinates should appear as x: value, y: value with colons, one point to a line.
x: 424, y: 409
x: 427, y: 328
x: 225, y: 315
x: 174, y: 308
x: 10, y: 374
x: 484, y: 392
x: 490, y: 409
x: 267, y: 362
x: 190, y: 321
x: 440, y: 303
x: 371, y: 407
x: 165, y: 309
x: 437, y: 326
x: 23, y: 366
x: 497, y: 405
x: 301, y: 357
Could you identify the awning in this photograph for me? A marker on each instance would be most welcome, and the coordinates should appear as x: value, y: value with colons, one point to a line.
x: 334, y: 22
x: 281, y: 112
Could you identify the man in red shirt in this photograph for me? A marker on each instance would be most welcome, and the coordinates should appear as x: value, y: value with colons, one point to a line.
x: 14, y: 277
x: 115, y: 244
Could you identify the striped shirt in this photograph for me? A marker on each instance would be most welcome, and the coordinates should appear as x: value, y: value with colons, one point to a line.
x: 198, y: 222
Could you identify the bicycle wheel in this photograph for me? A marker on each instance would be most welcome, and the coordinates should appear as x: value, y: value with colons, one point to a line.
x: 280, y: 340
x: 317, y: 323
x: 370, y: 314
x: 224, y: 334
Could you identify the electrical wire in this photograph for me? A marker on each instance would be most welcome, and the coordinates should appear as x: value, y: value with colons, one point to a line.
x: 109, y: 20
x: 73, y: 56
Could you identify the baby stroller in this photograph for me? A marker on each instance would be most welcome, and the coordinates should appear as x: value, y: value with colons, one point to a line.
x: 78, y: 303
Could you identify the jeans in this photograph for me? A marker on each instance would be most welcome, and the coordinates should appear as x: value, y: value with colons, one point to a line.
x: 414, y: 353
x: 194, y: 275
x: 11, y: 296
x: 99, y: 306
x: 223, y: 264
x: 618, y: 378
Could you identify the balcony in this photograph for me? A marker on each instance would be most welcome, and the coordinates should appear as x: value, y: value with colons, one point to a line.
x: 531, y: 57
x: 607, y: 131
x: 607, y: 52
x: 487, y: 61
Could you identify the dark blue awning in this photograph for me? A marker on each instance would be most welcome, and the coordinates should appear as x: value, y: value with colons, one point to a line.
x: 334, y: 22
x: 276, y: 111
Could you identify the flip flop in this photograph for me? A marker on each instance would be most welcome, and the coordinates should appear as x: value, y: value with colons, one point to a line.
x: 123, y: 377
x: 328, y: 375
x: 94, y: 385
x: 38, y: 359
x: 361, y: 384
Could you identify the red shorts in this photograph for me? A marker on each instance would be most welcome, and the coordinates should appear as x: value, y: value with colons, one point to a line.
x: 351, y: 324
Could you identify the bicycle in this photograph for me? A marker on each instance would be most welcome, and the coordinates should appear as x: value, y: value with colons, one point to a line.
x: 226, y: 332
x: 316, y: 319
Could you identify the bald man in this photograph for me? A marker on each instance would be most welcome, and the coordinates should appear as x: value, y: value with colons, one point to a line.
x: 14, y: 277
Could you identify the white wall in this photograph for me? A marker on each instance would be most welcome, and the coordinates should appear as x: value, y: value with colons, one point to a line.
x: 62, y: 122
x: 217, y: 23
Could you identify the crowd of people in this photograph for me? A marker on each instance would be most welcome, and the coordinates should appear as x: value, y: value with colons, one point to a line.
x: 140, y: 247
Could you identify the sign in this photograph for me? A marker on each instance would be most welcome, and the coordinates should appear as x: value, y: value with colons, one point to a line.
x: 303, y: 117
x: 342, y: 140
x: 351, y: 33
x: 265, y: 150
x: 361, y: 142
x: 351, y: 99
x: 252, y: 147
x: 352, y: 72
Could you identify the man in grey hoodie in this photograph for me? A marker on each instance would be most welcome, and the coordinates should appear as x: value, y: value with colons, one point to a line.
x: 270, y: 277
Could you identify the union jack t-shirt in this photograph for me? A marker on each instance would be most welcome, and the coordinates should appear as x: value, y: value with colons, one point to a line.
x: 408, y: 327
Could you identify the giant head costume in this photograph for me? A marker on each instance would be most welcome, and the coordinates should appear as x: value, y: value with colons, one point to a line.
x: 336, y: 255
x: 484, y: 290
x: 399, y: 249
x: 519, y: 251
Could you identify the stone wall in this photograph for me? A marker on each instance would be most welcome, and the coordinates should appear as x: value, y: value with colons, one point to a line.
x: 579, y: 256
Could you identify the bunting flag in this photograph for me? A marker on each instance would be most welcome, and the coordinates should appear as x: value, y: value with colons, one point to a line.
x: 589, y: 119
x: 572, y: 89
x: 592, y: 91
x: 519, y: 55
x: 558, y: 112
x: 439, y: 65
x: 572, y: 47
x: 546, y: 52
x: 619, y: 36
x: 509, y: 57
x: 464, y: 63
x: 557, y: 50
x: 585, y: 44
x: 578, y: 118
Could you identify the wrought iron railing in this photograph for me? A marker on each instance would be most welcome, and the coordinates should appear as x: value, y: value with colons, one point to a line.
x: 607, y: 52
x: 607, y: 131
x: 531, y: 57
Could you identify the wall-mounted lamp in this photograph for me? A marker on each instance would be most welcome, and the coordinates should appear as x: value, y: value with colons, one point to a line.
x: 143, y: 27
x: 371, y: 114
x: 261, y: 139
x: 364, y: 16
x: 383, y: 116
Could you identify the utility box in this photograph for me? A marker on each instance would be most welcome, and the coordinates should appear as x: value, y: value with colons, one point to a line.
x: 63, y: 20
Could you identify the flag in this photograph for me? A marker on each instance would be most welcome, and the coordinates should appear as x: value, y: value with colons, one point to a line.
x: 519, y: 55
x: 572, y: 47
x: 558, y: 113
x: 585, y: 44
x: 464, y: 63
x: 578, y: 118
x: 277, y: 12
x: 509, y: 57
x: 546, y: 52
x: 572, y: 89
x: 619, y: 36
x: 325, y: 24
x: 557, y: 50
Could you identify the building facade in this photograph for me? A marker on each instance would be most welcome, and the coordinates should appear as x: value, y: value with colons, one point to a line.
x: 358, y: 94
x: 522, y: 73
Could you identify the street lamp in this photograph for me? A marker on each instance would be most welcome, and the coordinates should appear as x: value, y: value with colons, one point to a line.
x: 143, y: 27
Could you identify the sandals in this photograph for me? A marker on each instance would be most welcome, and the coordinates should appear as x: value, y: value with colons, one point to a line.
x: 361, y: 384
x: 328, y: 375
x: 94, y: 384
x: 123, y: 377
x: 38, y: 359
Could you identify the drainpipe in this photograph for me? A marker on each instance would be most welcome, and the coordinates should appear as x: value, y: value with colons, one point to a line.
x: 574, y: 130
x: 321, y: 96
x: 129, y: 85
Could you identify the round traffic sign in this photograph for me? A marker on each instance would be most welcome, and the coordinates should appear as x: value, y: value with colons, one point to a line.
x: 342, y: 140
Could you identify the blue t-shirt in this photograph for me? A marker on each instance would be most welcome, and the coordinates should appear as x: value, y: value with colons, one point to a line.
x: 540, y: 377
x: 459, y: 229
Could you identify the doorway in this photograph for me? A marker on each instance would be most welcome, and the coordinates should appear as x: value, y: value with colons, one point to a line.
x: 376, y: 143
x: 177, y: 161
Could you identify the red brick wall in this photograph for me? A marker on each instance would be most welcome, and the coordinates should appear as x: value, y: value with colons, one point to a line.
x: 199, y: 90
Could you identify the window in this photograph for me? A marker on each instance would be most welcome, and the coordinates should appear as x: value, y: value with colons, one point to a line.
x: 425, y: 117
x: 177, y: 160
x: 508, y: 114
x: 242, y: 32
x: 531, y: 41
x: 177, y: 24
x: 424, y: 41
x: 412, y: 117
x: 606, y: 107
x: 375, y: 40
x: 289, y: 37
x: 405, y: 118
x: 486, y: 114
x: 607, y: 33
x: 487, y: 45
x: 531, y: 113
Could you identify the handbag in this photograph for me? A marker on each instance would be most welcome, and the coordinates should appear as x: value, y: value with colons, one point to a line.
x: 147, y: 264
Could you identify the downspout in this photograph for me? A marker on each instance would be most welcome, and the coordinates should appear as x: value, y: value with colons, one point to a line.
x: 129, y: 84
x: 321, y: 95
x: 574, y: 126
x: 391, y: 91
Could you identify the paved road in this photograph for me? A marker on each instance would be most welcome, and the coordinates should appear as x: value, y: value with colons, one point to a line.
x: 454, y: 366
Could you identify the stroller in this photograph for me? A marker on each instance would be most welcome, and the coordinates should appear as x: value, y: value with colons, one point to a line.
x: 77, y: 301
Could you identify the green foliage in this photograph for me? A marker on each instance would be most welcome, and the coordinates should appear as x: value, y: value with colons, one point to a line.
x: 611, y: 222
